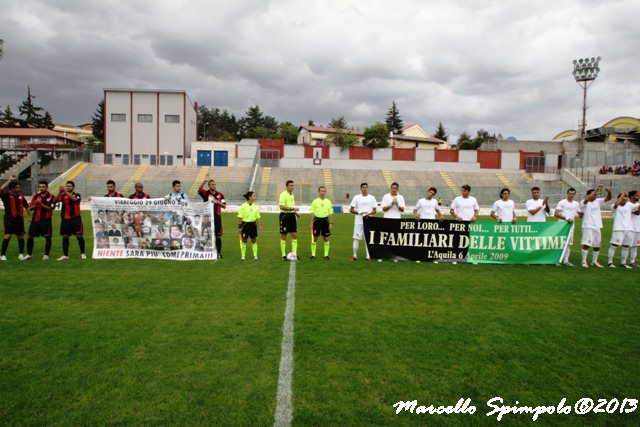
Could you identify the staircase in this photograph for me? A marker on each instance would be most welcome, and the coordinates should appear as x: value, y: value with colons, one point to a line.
x: 328, y: 182
x: 24, y: 163
x: 452, y: 185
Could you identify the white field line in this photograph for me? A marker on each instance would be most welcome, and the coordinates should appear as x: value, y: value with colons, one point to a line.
x: 284, y: 405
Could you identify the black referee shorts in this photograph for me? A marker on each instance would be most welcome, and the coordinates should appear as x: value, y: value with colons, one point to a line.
x: 249, y: 230
x: 288, y: 223
x: 13, y: 225
x: 40, y: 228
x: 321, y: 227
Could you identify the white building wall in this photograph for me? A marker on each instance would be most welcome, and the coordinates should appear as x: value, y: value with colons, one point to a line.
x: 145, y: 134
x: 172, y: 134
x: 118, y: 133
x: 467, y: 156
x: 510, y: 160
x: 427, y: 156
x: 383, y: 154
x: 294, y: 152
x: 191, y: 120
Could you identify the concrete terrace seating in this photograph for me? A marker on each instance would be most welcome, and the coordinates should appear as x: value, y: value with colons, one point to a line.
x: 233, y: 182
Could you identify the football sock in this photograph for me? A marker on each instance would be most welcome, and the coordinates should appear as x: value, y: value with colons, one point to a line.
x: 283, y: 247
x: 65, y: 246
x: 634, y: 253
x: 327, y: 245
x: 595, y: 255
x: 81, y: 244
x: 356, y: 245
x: 624, y: 253
x: 47, y: 245
x: 585, y: 253
x: 219, y: 245
x: 243, y: 249
x: 21, y: 245
x: 612, y: 252
x: 255, y: 249
x: 30, y: 246
x: 294, y: 246
x: 313, y: 248
x: 5, y: 245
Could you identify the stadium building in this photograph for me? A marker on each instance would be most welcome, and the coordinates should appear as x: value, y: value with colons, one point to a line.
x: 145, y: 126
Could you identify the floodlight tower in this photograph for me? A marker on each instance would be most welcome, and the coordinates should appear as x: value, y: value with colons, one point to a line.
x: 585, y: 72
x: 1, y: 48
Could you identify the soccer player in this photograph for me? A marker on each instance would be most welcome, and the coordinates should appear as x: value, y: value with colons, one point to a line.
x: 177, y: 193
x: 139, y: 192
x: 248, y: 223
x: 71, y: 221
x: 634, y: 197
x: 465, y: 207
x: 503, y: 209
x: 42, y: 205
x: 567, y: 210
x: 321, y: 221
x: 428, y: 207
x: 288, y: 220
x: 622, y: 233
x: 537, y: 208
x: 393, y: 203
x: 362, y: 205
x: 217, y: 198
x: 111, y: 189
x: 592, y: 224
x: 14, y: 206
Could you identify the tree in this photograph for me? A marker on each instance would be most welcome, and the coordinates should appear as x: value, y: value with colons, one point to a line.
x: 394, y: 122
x: 376, y: 136
x: 311, y: 123
x: 441, y: 132
x: 289, y: 132
x: 464, y: 141
x: 31, y: 113
x: 97, y: 122
x: 47, y: 121
x: 7, y: 119
x: 339, y: 123
x: 342, y: 138
x: 253, y: 119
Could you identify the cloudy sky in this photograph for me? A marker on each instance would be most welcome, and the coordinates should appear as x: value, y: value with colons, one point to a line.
x: 504, y: 66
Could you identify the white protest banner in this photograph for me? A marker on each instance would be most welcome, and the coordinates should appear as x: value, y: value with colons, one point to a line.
x: 152, y: 229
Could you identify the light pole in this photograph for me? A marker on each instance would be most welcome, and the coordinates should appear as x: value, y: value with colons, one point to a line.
x: 1, y: 48
x: 204, y: 130
x: 585, y: 72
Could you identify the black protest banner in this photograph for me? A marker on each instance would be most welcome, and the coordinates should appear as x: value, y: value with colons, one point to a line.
x: 413, y: 240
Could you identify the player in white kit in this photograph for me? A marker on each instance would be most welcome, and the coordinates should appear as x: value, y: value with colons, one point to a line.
x: 592, y: 224
x: 567, y: 210
x: 504, y: 209
x: 362, y: 205
x: 622, y: 233
x: 427, y: 207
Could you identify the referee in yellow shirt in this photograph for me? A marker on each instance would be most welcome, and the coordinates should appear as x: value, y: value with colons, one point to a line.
x: 321, y: 221
x: 288, y: 220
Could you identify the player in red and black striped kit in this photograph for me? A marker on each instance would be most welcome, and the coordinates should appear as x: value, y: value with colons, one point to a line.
x: 71, y: 221
x: 111, y: 190
x: 14, y: 207
x: 42, y: 206
x: 217, y: 198
x: 139, y: 194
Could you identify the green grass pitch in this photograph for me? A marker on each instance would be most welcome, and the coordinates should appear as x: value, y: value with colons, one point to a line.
x: 150, y: 342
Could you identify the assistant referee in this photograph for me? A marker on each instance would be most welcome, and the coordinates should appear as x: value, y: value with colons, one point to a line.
x: 321, y: 221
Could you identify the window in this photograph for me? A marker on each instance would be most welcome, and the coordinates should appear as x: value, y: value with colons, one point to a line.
x: 171, y: 118
x: 109, y: 159
x: 136, y: 159
x: 145, y: 118
x: 152, y: 159
x: 125, y: 159
x: 163, y: 160
x: 169, y: 160
x: 118, y: 117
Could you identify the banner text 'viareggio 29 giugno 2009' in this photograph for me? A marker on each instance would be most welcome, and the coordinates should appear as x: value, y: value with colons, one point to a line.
x: 477, y: 242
